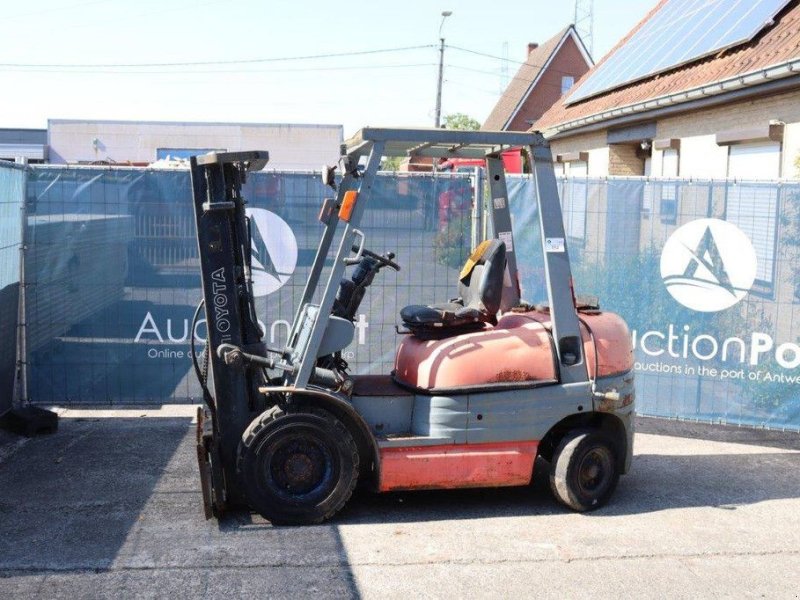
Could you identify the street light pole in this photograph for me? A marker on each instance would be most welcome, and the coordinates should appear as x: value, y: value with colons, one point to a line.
x: 438, y: 118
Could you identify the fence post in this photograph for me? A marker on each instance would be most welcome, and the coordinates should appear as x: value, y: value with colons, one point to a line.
x: 21, y: 371
x: 477, y: 232
x: 23, y: 418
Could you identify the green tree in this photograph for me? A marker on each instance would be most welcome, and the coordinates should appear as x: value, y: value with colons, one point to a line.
x: 461, y: 121
x: 392, y: 163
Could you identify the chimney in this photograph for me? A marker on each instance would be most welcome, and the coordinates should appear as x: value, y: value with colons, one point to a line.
x: 531, y: 47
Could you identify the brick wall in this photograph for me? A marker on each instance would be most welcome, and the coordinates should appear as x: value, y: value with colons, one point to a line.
x: 568, y: 61
x: 622, y: 161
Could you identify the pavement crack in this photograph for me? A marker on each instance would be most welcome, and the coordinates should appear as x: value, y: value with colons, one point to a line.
x: 9, y: 571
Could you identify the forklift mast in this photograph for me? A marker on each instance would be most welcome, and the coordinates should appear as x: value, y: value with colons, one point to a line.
x: 223, y: 237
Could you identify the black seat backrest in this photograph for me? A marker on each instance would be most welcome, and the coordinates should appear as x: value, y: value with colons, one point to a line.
x: 481, y: 282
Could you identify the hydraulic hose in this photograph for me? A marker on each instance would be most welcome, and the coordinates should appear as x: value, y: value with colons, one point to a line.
x: 202, y: 375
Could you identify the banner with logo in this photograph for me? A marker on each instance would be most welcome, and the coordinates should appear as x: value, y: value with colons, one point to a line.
x: 12, y: 196
x: 707, y: 275
x: 113, y: 273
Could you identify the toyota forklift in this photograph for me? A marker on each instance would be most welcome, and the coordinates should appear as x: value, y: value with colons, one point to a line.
x: 482, y: 385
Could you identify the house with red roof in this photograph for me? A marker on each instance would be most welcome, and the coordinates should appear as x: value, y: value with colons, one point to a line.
x: 549, y: 71
x: 706, y: 91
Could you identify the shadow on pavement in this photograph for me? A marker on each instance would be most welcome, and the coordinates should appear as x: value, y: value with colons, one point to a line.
x: 112, y: 507
x: 69, y: 500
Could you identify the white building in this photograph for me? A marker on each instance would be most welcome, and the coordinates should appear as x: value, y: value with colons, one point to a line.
x: 291, y: 147
x: 728, y: 107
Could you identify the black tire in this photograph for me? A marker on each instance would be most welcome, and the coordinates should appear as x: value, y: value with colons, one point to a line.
x: 297, y: 468
x: 585, y: 469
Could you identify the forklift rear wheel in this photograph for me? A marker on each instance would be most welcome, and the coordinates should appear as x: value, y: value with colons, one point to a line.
x: 297, y: 468
x: 585, y: 469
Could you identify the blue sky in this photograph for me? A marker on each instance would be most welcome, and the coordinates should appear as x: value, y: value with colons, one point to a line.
x: 383, y: 88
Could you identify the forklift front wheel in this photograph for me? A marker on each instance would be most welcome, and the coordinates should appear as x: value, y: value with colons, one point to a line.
x: 585, y: 469
x: 297, y: 468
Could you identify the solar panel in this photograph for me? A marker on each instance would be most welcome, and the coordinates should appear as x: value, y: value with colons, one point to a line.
x: 681, y: 31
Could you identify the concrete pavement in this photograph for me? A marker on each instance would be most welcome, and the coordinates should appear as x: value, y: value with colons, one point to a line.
x: 110, y: 507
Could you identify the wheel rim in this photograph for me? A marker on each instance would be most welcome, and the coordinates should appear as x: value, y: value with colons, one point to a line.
x: 595, y: 471
x: 299, y: 466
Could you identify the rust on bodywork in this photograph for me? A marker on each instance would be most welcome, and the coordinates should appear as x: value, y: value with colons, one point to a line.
x: 509, y: 375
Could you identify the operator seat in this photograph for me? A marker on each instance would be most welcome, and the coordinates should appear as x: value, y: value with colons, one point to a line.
x: 480, y: 288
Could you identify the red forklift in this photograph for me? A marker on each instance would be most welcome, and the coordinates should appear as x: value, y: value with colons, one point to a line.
x: 482, y: 385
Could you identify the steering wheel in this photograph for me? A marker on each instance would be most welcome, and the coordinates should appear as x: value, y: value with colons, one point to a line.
x: 385, y: 260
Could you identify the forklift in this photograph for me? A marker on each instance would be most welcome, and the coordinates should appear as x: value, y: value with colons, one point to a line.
x: 483, y: 385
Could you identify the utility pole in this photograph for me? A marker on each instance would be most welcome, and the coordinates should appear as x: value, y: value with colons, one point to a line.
x: 584, y: 23
x: 438, y: 118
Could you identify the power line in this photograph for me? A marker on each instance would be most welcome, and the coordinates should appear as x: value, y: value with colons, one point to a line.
x: 52, y: 10
x: 505, y: 59
x: 516, y: 62
x: 212, y: 62
x: 98, y: 68
x: 220, y: 71
x: 515, y: 78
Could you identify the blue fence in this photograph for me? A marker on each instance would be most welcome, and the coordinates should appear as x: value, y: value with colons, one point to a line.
x: 705, y: 273
x: 12, y: 197
x: 112, y: 275
x: 707, y: 276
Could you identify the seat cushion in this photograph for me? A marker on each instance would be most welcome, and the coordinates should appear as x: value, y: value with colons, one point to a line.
x: 441, y: 320
x: 417, y: 314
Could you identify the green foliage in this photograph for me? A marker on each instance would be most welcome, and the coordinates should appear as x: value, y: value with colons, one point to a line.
x: 461, y: 121
x: 391, y: 163
x: 451, y: 246
x: 790, y: 222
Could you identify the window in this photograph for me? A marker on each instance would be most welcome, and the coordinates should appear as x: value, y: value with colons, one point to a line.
x: 669, y: 163
x: 579, y: 168
x: 668, y: 206
x: 575, y: 210
x: 753, y: 207
x: 576, y: 192
x: 567, y: 81
x: 761, y: 160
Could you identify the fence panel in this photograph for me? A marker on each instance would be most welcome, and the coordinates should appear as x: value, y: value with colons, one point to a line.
x: 705, y: 273
x: 12, y: 197
x: 707, y: 276
x: 113, y: 273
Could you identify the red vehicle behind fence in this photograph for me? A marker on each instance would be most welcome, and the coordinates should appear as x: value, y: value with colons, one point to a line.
x: 454, y: 203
